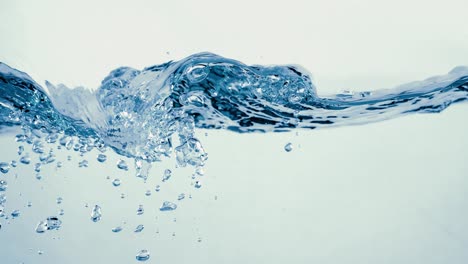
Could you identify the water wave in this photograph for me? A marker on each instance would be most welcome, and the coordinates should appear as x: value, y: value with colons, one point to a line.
x: 138, y: 112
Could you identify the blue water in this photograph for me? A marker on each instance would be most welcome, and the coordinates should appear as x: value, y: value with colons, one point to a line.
x: 141, y: 114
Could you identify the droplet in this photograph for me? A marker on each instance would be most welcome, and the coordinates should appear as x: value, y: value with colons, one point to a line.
x: 83, y: 163
x: 61, y: 212
x: 181, y: 196
x: 167, y: 175
x: 59, y: 200
x: 148, y: 192
x: 3, y: 185
x: 15, y: 213
x: 59, y: 164
x: 140, y: 210
x: 157, y: 188
x: 13, y: 163
x: 96, y: 213
x: 139, y: 228
x: 38, y: 176
x: 122, y: 165
x: 117, y: 229
x: 29, y: 204
x: 4, y: 167
x: 168, y: 206
x: 116, y: 182
x: 288, y: 147
x: 143, y: 255
x: 101, y: 158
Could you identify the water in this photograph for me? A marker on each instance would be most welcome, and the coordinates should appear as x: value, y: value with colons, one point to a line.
x: 150, y: 116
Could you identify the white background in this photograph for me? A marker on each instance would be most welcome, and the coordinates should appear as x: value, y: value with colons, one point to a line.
x: 391, y: 192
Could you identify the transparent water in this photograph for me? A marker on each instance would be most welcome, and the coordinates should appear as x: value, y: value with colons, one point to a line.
x: 75, y: 187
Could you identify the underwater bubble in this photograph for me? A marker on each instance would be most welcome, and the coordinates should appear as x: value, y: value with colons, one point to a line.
x: 122, y: 196
x: 116, y: 182
x: 181, y: 196
x: 143, y: 255
x: 140, y: 210
x: 29, y: 204
x: 198, y: 184
x: 117, y: 229
x: 38, y: 176
x: 4, y: 167
x: 121, y: 164
x: 168, y: 206
x: 148, y: 192
x: 101, y: 158
x: 15, y: 213
x: 139, y: 228
x: 13, y: 163
x: 199, y: 239
x: 288, y: 147
x: 41, y: 227
x: 167, y: 175
x: 20, y: 150
x: 38, y: 147
x: 59, y: 164
x: 59, y: 200
x: 96, y: 213
x: 40, y: 252
x: 3, y: 185
x: 61, y: 212
x: 199, y: 171
x: 192, y: 153
x: 37, y: 167
x: 53, y: 223
x: 25, y: 159
x: 157, y: 188
x: 83, y: 163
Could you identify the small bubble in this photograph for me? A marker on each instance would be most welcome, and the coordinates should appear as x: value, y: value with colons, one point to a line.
x: 168, y: 206
x: 101, y: 158
x: 68, y: 157
x: 4, y: 167
x: 288, y: 147
x: 198, y: 184
x: 83, y: 163
x: 148, y: 192
x: 143, y: 255
x: 117, y: 229
x: 157, y: 188
x: 96, y: 213
x: 181, y: 196
x: 167, y: 175
x: 29, y: 204
x: 199, y: 240
x: 116, y: 182
x: 59, y: 164
x: 15, y: 213
x: 3, y: 185
x: 139, y: 228
x: 40, y: 252
x: 59, y: 200
x: 61, y: 212
x: 140, y: 210
x: 122, y: 165
x: 25, y: 159
x: 122, y: 195
x: 37, y: 167
x: 38, y: 176
x: 13, y: 163
x: 53, y: 223
x: 20, y: 150
x: 41, y: 227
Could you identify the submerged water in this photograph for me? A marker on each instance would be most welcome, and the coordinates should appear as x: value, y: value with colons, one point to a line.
x: 151, y: 114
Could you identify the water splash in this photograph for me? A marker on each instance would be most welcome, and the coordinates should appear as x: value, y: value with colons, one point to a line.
x: 137, y: 113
